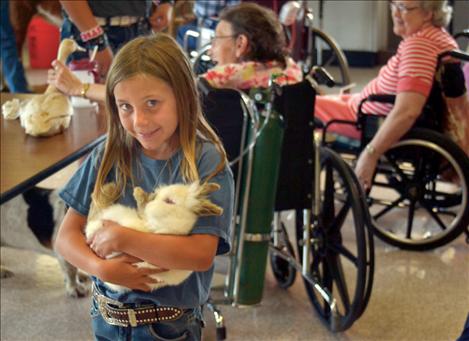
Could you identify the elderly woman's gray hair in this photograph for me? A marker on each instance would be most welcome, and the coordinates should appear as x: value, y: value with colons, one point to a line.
x: 441, y: 11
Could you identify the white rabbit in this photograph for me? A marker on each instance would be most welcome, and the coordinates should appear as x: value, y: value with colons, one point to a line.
x: 171, y: 209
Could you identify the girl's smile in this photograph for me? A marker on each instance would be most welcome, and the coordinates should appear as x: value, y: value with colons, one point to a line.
x: 148, y: 112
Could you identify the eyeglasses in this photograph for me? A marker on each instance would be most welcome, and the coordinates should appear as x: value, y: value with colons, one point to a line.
x: 401, y: 8
x: 215, y: 38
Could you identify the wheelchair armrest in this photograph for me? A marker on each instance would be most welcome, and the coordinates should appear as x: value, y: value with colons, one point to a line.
x: 383, y: 98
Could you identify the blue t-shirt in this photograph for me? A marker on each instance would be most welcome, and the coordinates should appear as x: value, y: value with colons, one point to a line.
x: 150, y: 173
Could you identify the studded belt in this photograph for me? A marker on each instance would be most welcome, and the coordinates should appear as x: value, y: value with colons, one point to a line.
x: 115, y: 313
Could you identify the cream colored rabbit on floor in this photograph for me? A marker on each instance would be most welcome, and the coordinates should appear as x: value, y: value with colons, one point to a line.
x: 171, y: 209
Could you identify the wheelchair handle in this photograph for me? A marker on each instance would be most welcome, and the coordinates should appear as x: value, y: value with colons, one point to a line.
x: 464, y: 33
x: 458, y: 54
x: 321, y: 76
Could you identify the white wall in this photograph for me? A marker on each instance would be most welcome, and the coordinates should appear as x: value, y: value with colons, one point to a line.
x: 357, y: 25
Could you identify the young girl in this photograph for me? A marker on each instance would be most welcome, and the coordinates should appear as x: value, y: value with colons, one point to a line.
x: 156, y: 135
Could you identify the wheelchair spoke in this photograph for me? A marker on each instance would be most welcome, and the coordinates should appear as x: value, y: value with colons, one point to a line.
x: 396, y: 167
x: 338, y: 275
x: 434, y: 216
x: 327, y: 283
x: 388, y: 208
x: 338, y: 221
x: 328, y: 207
x: 410, y: 219
x: 341, y: 249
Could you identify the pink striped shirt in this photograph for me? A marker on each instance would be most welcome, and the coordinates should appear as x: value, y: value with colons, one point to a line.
x: 411, y: 69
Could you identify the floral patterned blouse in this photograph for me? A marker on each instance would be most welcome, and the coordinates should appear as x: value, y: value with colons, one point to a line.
x: 252, y: 74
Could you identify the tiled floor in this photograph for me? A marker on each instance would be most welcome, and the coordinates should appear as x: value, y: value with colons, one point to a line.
x: 417, y: 296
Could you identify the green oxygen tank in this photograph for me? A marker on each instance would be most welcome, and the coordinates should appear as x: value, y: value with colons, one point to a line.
x: 253, y: 245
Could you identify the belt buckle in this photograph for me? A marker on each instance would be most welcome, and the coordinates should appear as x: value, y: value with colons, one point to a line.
x: 102, y: 302
x: 106, y: 317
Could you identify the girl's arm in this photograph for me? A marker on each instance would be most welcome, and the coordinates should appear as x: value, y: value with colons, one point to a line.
x: 407, y: 108
x: 194, y: 252
x: 71, y: 244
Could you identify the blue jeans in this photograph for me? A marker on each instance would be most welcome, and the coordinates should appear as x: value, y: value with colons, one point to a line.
x: 187, y: 327
x: 12, y: 69
x: 117, y: 35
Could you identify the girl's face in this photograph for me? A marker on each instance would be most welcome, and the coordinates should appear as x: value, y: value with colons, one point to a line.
x: 408, y: 17
x: 148, y: 112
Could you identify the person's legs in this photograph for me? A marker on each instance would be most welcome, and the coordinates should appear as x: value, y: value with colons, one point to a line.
x: 12, y: 69
x: 334, y: 107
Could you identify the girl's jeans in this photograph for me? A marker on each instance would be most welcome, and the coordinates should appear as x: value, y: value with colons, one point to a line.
x: 187, y: 327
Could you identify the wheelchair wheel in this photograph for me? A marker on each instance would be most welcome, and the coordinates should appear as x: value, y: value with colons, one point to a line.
x: 283, y: 271
x: 202, y: 61
x: 419, y: 199
x: 342, y: 252
x: 322, y: 50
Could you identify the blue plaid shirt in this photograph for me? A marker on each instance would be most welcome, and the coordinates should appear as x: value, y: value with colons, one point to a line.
x: 209, y: 9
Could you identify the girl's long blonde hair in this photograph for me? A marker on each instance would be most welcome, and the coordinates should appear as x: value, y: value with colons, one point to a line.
x: 161, y: 57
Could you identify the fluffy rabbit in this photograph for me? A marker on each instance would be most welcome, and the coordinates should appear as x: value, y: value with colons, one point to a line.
x: 171, y: 209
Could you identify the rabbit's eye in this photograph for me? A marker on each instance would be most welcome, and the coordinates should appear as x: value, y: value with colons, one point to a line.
x: 169, y: 201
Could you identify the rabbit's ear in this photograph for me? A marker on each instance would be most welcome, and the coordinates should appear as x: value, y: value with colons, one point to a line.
x: 208, y: 187
x: 206, y: 207
x: 141, y: 197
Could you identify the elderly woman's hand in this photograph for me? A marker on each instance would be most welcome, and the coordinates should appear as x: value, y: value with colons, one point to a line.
x: 365, y: 168
x: 64, y: 80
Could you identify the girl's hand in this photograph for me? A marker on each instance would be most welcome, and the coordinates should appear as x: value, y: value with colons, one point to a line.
x: 64, y: 80
x: 365, y: 168
x: 106, y: 239
x: 122, y: 270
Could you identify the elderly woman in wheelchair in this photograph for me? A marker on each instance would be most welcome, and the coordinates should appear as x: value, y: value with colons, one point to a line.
x: 248, y: 48
x: 408, y: 74
x: 424, y: 171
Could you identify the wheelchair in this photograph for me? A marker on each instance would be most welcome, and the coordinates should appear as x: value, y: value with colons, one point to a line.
x: 280, y: 164
x: 419, y: 199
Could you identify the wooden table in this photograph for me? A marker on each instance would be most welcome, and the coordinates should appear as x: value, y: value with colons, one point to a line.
x: 27, y: 160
